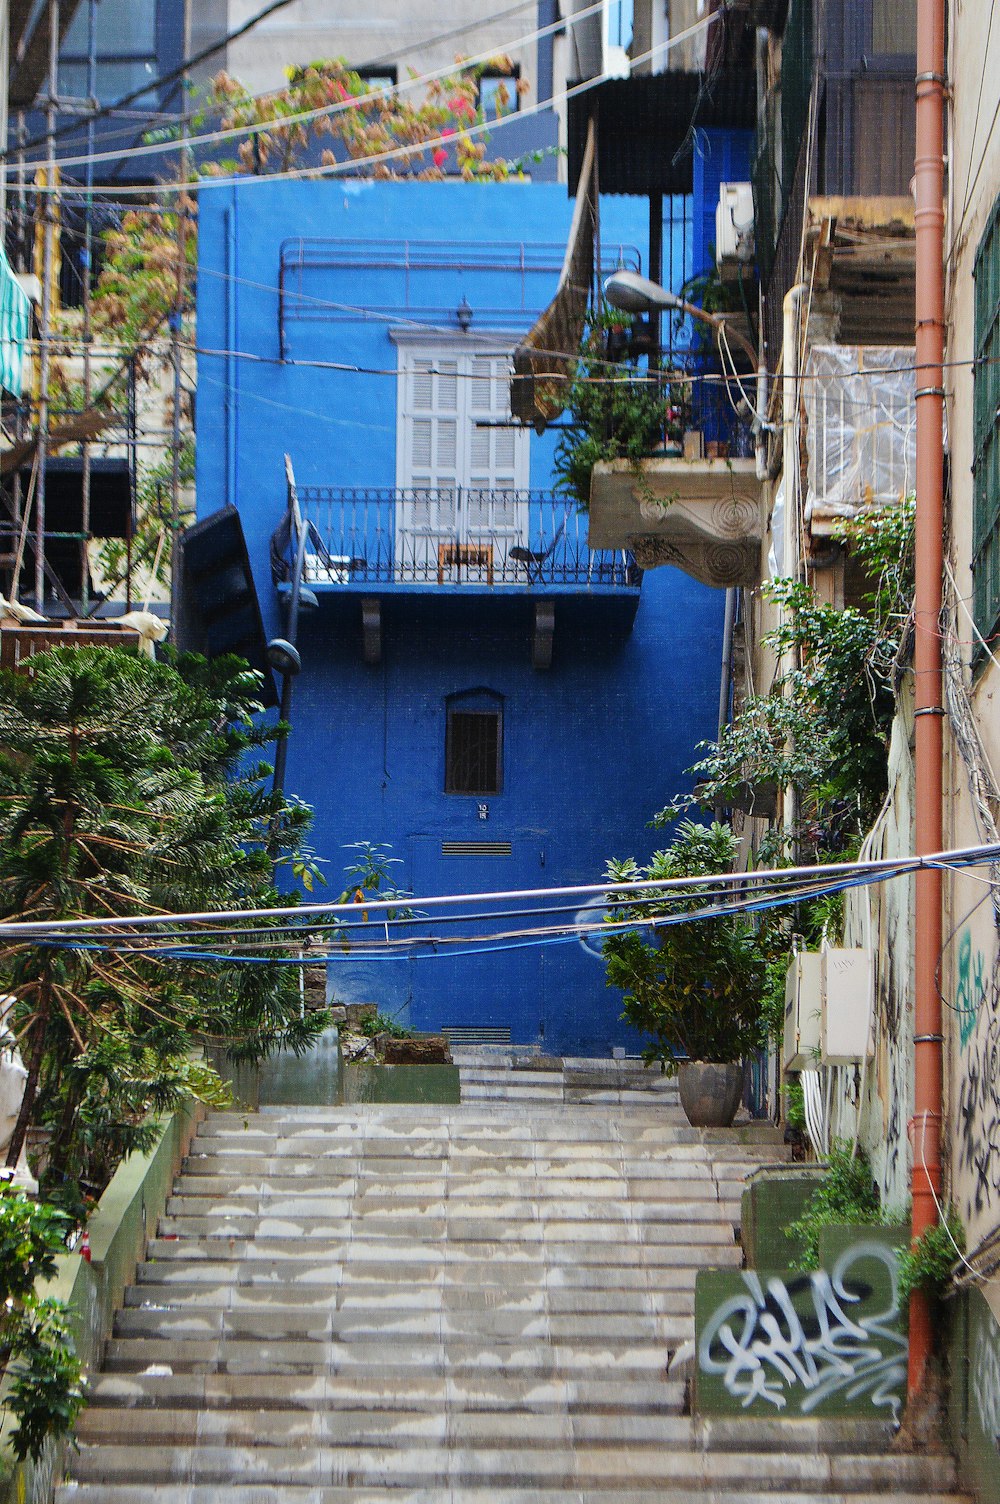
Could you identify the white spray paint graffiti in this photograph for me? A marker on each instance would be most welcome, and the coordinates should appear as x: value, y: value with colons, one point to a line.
x: 591, y: 941
x: 763, y: 1349
x: 986, y: 1380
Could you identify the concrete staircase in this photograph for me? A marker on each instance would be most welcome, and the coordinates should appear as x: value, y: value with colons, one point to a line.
x: 450, y: 1305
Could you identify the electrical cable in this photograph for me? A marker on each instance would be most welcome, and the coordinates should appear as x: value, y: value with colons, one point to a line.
x: 178, y: 73
x: 173, y: 76
x: 351, y: 166
x: 654, y: 886
x: 321, y: 112
x: 942, y: 1218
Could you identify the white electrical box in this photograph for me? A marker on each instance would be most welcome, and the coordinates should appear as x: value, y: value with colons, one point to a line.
x: 847, y: 987
x: 734, y: 226
x: 802, y: 1011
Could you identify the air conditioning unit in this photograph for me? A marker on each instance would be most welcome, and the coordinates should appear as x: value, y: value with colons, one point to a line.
x: 847, y: 993
x: 734, y: 245
x: 803, y: 1007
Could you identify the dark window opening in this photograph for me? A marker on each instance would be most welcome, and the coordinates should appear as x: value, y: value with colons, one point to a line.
x: 379, y: 78
x: 498, y: 94
x: 110, y: 514
x: 473, y: 751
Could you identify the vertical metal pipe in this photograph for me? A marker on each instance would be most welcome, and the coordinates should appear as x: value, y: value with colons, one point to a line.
x: 285, y: 708
x: 175, y: 344
x: 88, y: 255
x: 925, y: 1125
x: 656, y: 272
x: 43, y: 353
x: 726, y: 682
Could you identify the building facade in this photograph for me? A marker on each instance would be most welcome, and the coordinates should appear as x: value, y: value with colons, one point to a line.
x: 480, y: 691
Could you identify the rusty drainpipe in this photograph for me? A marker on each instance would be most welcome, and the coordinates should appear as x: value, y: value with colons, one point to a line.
x: 925, y: 1125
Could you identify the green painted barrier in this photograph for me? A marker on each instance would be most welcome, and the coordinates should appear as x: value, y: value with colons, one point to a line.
x: 319, y: 1077
x: 773, y: 1199
x: 785, y: 1344
x: 974, y: 1392
x: 125, y: 1217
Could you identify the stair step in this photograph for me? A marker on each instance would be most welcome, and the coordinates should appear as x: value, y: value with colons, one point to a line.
x: 183, y: 1493
x: 549, y: 1461
x: 458, y: 1305
x: 381, y: 1299
x: 403, y: 1391
x: 367, y: 1251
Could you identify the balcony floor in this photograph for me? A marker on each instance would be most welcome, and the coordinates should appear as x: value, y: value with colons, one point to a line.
x: 703, y: 516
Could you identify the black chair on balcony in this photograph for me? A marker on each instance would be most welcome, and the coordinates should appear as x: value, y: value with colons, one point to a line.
x: 534, y: 563
x: 324, y: 566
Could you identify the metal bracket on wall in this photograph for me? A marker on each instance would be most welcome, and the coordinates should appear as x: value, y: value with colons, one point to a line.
x: 371, y: 629
x: 541, y: 641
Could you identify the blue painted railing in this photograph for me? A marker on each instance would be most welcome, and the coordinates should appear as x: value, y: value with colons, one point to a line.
x: 455, y: 537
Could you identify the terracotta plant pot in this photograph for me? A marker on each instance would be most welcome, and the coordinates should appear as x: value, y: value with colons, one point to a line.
x: 710, y: 1094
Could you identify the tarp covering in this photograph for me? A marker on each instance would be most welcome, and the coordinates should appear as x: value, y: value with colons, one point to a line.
x: 15, y: 322
x: 544, y: 358
x: 861, y: 421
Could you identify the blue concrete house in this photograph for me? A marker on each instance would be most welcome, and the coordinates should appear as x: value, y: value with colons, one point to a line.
x: 501, y: 705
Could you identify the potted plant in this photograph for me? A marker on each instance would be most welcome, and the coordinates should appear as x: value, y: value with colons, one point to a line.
x: 615, y: 411
x: 695, y: 985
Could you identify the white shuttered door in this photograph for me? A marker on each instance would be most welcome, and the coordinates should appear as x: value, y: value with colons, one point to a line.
x: 458, y: 474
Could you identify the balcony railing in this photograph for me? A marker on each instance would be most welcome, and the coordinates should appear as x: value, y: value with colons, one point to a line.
x: 455, y: 537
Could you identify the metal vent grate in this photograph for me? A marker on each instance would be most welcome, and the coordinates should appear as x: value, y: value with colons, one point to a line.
x: 461, y: 1034
x: 475, y: 848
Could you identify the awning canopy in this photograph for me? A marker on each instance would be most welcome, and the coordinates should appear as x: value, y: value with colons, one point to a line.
x: 543, y: 360
x: 646, y: 125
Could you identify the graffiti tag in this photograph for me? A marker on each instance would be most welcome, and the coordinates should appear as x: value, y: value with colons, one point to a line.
x: 766, y: 1348
x: 979, y: 1115
x: 970, y: 992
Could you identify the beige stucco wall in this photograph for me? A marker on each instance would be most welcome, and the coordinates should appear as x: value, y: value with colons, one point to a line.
x: 394, y: 31
x: 970, y: 971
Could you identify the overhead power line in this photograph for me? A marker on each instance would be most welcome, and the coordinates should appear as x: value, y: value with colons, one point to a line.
x: 352, y: 165
x: 320, y: 112
x: 174, y: 75
x: 826, y: 873
x: 185, y: 117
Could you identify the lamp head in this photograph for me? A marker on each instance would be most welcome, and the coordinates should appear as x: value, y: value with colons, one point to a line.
x: 283, y: 657
x: 634, y: 294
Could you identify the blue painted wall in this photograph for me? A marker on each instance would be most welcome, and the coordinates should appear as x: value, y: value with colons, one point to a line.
x: 591, y: 747
x: 720, y: 156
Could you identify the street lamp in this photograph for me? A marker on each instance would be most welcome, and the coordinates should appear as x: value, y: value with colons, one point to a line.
x: 283, y: 655
x: 631, y: 293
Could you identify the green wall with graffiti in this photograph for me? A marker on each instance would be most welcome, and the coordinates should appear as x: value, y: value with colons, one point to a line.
x: 974, y: 1392
x: 783, y: 1343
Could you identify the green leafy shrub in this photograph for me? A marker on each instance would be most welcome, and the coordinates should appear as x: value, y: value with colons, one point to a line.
x: 614, y: 412
x: 696, y: 988
x: 31, y: 1234
x: 846, y: 1194
x: 47, y: 1390
x: 928, y: 1264
x: 795, y: 1104
x: 383, y: 1024
x: 131, y: 786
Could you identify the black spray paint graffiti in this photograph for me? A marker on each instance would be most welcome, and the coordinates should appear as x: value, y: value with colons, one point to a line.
x: 979, y: 1108
x: 764, y: 1348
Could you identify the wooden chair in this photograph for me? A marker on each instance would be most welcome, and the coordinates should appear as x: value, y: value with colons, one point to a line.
x: 469, y: 555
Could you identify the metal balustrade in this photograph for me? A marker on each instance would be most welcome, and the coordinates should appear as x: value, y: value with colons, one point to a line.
x: 455, y: 538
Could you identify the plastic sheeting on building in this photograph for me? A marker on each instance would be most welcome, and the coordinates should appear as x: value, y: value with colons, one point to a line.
x: 861, y: 429
x: 15, y: 322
